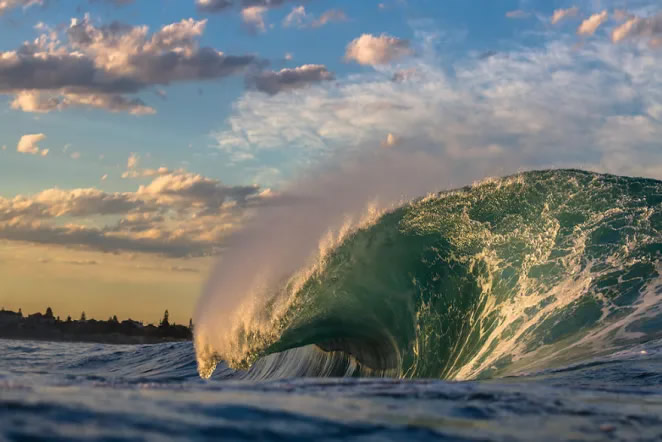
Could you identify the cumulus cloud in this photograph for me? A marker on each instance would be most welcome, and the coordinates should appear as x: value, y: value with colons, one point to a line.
x: 30, y: 144
x: 512, y: 103
x: 374, y: 50
x: 299, y: 18
x: 177, y: 214
x: 288, y: 79
x: 591, y: 24
x: 97, y: 66
x: 562, y: 14
x: 253, y: 17
x: 649, y: 28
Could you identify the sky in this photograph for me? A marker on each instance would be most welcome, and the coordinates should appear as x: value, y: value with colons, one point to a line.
x: 137, y: 136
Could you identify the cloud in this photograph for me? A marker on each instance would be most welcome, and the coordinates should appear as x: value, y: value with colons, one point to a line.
x: 253, y: 17
x: 562, y: 14
x: 147, y: 173
x: 643, y: 28
x: 29, y: 144
x: 390, y: 141
x: 177, y: 214
x: 43, y: 102
x: 222, y: 5
x: 288, y: 79
x: 591, y: 24
x: 6, y: 5
x: 213, y: 5
x: 371, y: 50
x: 98, y: 66
x: 299, y: 18
x: 133, y: 161
x: 518, y: 14
x: 543, y: 106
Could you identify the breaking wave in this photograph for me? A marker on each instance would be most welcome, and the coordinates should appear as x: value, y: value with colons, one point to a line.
x: 510, y: 275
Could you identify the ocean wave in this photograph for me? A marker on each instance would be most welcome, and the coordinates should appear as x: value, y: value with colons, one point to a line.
x: 524, y: 273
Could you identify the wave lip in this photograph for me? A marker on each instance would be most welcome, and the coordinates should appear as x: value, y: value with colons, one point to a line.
x: 514, y: 274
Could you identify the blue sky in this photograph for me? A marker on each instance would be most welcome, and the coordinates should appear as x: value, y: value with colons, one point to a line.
x: 122, y: 157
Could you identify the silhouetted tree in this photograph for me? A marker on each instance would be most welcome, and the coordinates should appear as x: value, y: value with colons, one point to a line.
x: 83, y: 317
x: 49, y: 313
x: 190, y: 324
x: 165, y: 322
x: 115, y: 320
x: 68, y: 318
x: 20, y: 312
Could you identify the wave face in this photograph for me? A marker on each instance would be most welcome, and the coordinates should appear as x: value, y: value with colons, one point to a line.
x: 511, y: 275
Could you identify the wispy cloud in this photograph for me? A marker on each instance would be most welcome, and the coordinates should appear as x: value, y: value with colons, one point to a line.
x: 512, y: 103
x: 649, y: 28
x: 299, y: 18
x: 561, y: 14
x: 7, y: 5
x: 518, y: 14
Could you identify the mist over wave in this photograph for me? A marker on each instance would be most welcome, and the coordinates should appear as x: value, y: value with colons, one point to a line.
x: 309, y: 217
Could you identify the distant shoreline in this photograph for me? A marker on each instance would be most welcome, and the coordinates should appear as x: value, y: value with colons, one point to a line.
x: 47, y: 327
x: 106, y: 340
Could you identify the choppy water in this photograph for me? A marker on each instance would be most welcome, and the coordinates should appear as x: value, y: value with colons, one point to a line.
x: 69, y: 392
x: 520, y: 308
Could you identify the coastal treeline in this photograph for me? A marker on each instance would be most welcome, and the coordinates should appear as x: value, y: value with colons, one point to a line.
x: 47, y: 326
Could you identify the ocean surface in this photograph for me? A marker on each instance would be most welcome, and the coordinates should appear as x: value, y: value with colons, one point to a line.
x: 519, y: 308
x: 75, y: 392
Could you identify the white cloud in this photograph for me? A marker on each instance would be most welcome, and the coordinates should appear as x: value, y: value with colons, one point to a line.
x: 296, y: 17
x: 544, y: 106
x: 30, y: 144
x: 375, y: 50
x: 299, y: 18
x: 253, y: 17
x: 133, y: 161
x: 591, y: 24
